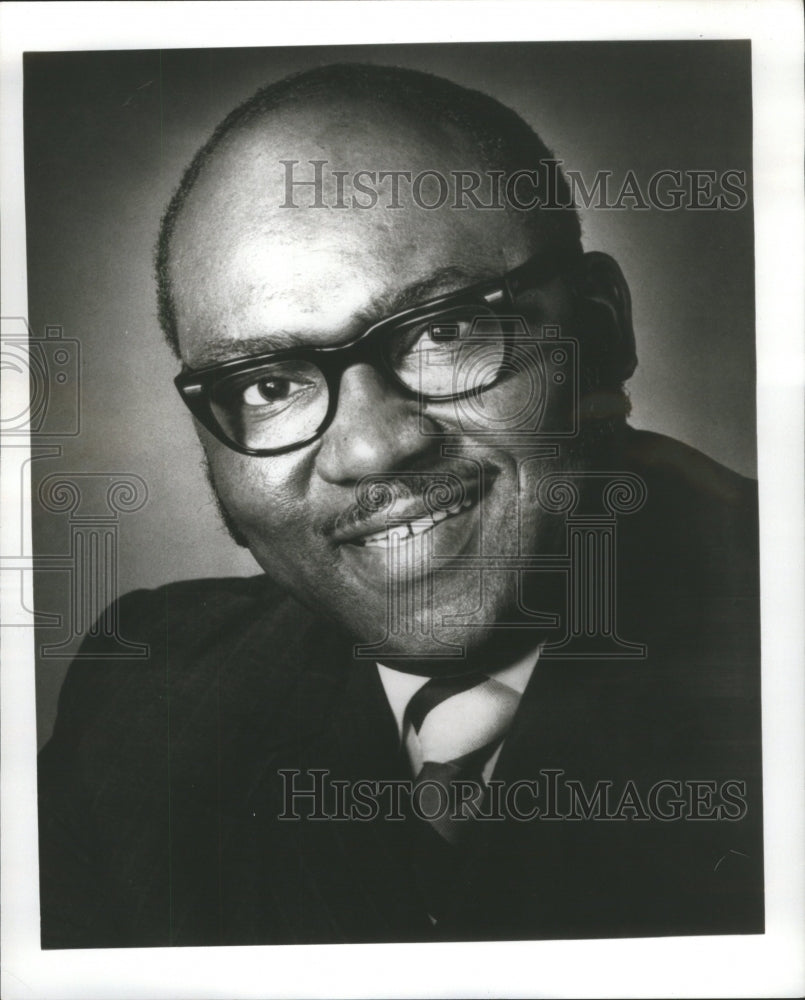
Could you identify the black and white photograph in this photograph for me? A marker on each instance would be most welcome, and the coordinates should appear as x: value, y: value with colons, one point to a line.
x: 389, y: 541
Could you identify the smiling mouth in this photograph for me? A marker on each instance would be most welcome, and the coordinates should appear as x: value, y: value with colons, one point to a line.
x: 414, y: 528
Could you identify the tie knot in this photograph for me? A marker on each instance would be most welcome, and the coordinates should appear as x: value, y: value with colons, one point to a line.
x: 449, y: 720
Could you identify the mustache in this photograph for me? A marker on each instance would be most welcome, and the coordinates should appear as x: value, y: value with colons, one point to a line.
x: 380, y: 496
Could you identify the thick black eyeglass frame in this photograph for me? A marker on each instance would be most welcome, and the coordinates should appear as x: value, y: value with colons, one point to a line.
x: 196, y: 387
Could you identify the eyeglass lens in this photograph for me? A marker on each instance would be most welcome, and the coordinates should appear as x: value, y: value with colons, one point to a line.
x: 442, y: 356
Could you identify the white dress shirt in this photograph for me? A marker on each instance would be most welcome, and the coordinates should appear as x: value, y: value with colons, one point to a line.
x: 401, y: 687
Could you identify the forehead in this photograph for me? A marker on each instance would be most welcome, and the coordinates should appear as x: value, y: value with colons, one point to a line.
x: 247, y: 264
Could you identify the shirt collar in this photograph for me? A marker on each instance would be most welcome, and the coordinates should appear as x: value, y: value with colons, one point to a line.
x: 401, y: 687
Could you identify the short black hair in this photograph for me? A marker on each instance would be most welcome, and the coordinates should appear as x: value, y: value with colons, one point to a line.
x: 503, y: 139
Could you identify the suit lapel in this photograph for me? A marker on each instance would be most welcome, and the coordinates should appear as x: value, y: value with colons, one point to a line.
x: 342, y: 878
x: 363, y: 743
x: 522, y: 877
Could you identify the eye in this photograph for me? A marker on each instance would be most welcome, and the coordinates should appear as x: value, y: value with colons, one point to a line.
x: 272, y: 405
x: 269, y: 390
x: 437, y: 334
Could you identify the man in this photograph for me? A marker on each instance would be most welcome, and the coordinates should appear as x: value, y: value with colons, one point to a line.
x: 500, y: 679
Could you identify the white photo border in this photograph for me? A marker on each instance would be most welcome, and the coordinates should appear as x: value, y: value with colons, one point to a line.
x: 756, y: 965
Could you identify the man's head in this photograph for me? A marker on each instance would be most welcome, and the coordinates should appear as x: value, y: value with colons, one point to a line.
x: 248, y: 266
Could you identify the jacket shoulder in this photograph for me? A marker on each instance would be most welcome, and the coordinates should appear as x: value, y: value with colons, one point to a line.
x: 203, y: 603
x: 690, y: 471
x: 182, y: 635
x: 149, y: 752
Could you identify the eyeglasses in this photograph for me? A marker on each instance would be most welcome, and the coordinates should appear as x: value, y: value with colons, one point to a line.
x: 452, y: 347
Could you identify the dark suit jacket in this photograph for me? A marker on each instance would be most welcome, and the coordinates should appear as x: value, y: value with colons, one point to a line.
x: 160, y: 788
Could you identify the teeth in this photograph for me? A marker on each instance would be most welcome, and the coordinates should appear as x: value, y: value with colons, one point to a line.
x: 417, y: 527
x: 376, y: 543
x: 412, y: 529
x: 402, y: 532
x: 377, y: 540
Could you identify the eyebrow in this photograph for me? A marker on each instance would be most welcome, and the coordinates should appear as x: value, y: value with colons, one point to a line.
x: 443, y: 281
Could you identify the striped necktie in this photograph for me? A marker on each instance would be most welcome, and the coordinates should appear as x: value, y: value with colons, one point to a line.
x: 451, y: 728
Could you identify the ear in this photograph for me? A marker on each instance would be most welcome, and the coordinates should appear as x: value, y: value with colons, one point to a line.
x: 606, y: 312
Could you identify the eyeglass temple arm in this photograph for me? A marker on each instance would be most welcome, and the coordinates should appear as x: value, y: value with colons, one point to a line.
x: 539, y: 269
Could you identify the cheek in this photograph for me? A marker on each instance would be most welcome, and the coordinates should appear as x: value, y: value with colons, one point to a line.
x: 515, y: 406
x: 262, y: 494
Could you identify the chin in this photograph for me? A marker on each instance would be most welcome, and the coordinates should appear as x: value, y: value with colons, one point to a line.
x: 423, y: 645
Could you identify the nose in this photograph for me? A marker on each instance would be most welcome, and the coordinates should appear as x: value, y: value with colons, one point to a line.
x: 375, y: 429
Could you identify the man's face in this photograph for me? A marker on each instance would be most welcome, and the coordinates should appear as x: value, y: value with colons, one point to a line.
x: 250, y: 276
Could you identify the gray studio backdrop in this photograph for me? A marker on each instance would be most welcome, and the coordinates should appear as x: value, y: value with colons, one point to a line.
x: 107, y: 135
